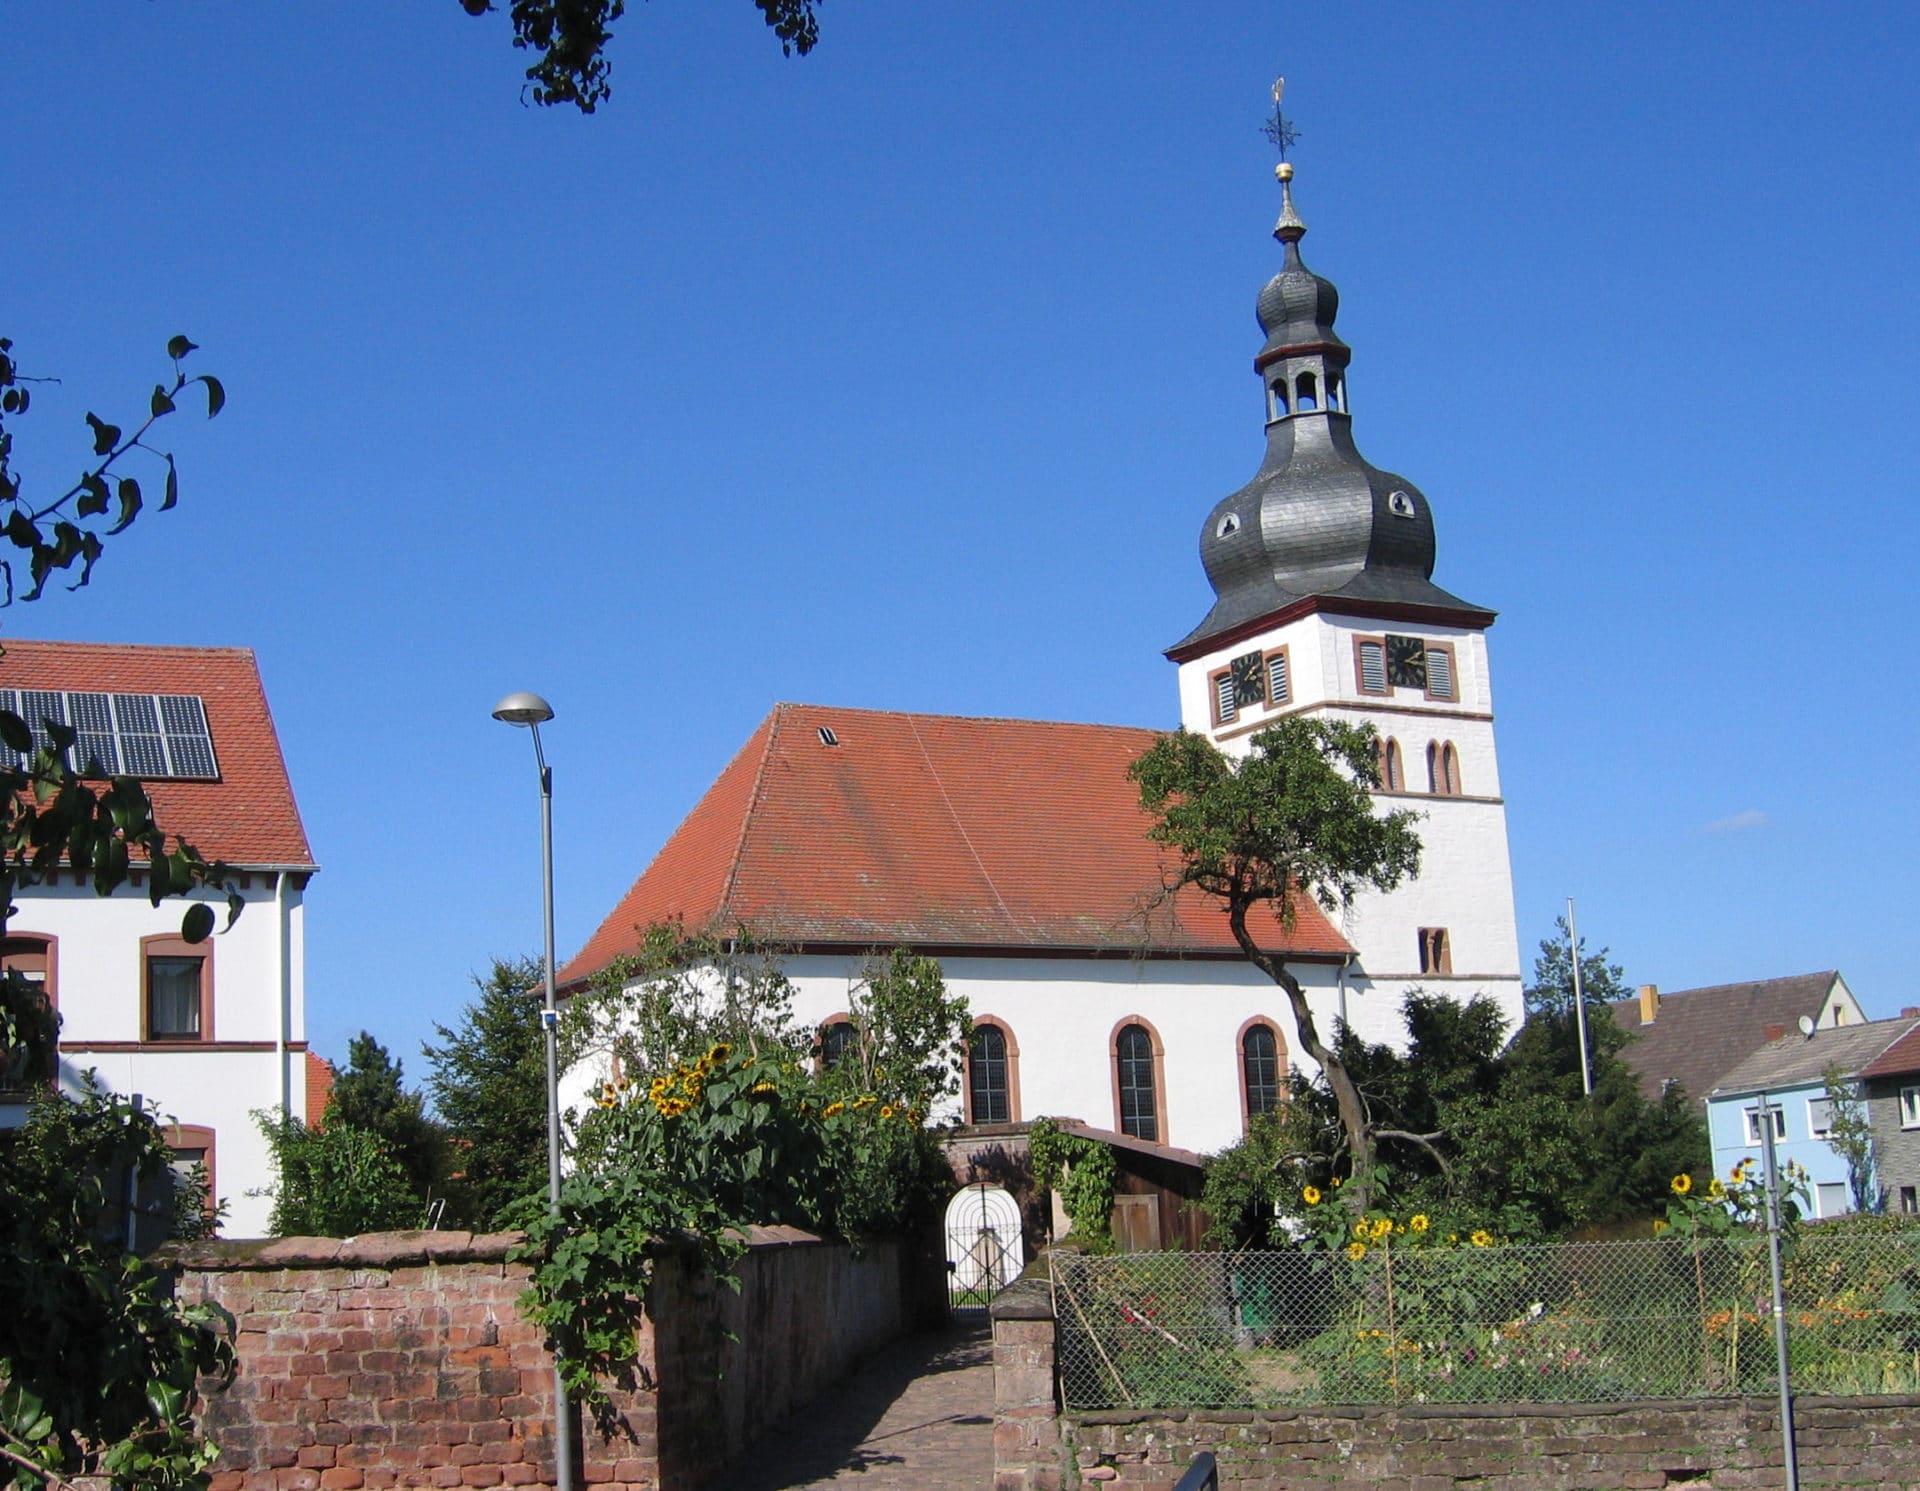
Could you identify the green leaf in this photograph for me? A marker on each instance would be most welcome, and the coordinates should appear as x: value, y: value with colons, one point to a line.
x: 197, y: 924
x: 178, y: 347
x: 216, y: 395
x: 161, y: 403
x: 129, y: 490
x: 105, y: 436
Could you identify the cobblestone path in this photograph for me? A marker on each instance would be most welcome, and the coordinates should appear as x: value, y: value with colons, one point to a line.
x: 918, y: 1416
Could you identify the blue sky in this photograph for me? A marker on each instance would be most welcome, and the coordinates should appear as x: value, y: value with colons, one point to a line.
x: 903, y: 375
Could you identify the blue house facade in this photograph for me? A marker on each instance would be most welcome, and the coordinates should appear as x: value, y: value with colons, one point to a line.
x: 1788, y: 1076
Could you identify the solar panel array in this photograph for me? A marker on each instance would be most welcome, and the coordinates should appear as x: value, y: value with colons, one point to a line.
x: 137, y: 735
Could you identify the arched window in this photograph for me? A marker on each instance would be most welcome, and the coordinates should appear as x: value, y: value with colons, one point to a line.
x: 1137, y: 1081
x: 32, y: 959
x: 992, y: 1064
x: 1306, y: 392
x: 1450, y: 764
x: 1277, y: 399
x: 1393, y: 777
x: 1443, y: 768
x: 1260, y: 1068
x: 1336, y: 392
x: 836, y: 1043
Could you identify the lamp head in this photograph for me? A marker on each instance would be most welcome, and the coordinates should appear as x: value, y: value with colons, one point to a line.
x: 523, y: 709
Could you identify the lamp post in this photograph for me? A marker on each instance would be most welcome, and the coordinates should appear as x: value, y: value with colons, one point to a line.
x: 531, y: 711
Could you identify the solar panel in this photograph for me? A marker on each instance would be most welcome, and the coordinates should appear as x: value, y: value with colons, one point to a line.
x: 10, y: 702
x: 94, y: 750
x: 38, y: 706
x: 137, y: 722
x: 189, y: 745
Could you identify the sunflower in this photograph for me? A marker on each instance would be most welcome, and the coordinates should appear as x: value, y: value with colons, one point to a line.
x: 1310, y: 1195
x: 1356, y: 1251
x: 760, y: 1087
x: 1382, y: 1228
x: 1481, y: 1238
x: 720, y: 1052
x: 886, y: 1110
x: 1716, y: 1191
x: 833, y: 1108
x: 1659, y: 1226
x: 1418, y: 1222
x: 1680, y: 1184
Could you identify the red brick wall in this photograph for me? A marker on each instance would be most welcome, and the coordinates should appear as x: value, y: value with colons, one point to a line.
x: 401, y: 1359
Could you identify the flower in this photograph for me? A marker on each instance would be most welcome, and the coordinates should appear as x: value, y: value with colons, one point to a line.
x: 1481, y: 1238
x: 1382, y: 1227
x: 760, y: 1087
x: 720, y: 1052
x: 1336, y: 1182
x: 1681, y: 1184
x: 1310, y: 1195
x: 886, y: 1110
x: 1356, y: 1251
x: 833, y: 1108
x: 1716, y: 1191
x: 1418, y: 1222
x: 1659, y: 1226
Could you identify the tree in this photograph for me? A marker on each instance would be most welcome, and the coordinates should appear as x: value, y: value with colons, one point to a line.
x: 101, y: 1365
x: 489, y: 1086
x: 1850, y: 1134
x: 571, y: 37
x: 335, y: 1181
x: 1294, y: 819
x: 910, y: 1034
x: 1602, y: 982
x: 368, y: 1095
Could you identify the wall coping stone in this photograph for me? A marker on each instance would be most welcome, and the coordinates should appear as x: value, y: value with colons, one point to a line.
x: 391, y: 1250
x: 1749, y: 1404
x: 1026, y: 1298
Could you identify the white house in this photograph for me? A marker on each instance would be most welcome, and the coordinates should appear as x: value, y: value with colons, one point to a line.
x: 1015, y: 850
x: 213, y: 1031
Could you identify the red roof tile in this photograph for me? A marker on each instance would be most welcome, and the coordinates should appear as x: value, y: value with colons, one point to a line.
x: 931, y: 831
x: 1900, y: 1059
x: 246, y: 817
x: 319, y: 1088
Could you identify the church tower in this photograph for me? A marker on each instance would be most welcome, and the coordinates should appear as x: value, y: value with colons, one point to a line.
x: 1325, y: 605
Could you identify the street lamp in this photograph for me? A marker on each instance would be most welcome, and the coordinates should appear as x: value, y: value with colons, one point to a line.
x: 532, y: 711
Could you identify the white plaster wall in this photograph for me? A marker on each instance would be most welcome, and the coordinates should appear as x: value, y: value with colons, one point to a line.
x: 218, y: 1085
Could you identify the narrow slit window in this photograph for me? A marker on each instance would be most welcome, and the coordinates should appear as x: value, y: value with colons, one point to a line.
x: 1435, y: 955
x: 1139, y: 1109
x: 1393, y: 776
x: 1277, y: 400
x: 989, y: 1091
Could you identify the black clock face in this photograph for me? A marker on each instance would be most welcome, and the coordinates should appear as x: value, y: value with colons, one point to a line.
x: 1406, y: 662
x: 1249, y: 679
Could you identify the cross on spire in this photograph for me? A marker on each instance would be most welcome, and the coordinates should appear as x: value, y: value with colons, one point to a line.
x: 1279, y: 129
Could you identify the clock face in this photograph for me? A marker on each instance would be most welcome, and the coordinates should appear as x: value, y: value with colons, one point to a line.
x: 1249, y: 679
x: 1406, y: 662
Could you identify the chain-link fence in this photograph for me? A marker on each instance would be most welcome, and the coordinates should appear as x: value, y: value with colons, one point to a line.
x: 1565, y: 1323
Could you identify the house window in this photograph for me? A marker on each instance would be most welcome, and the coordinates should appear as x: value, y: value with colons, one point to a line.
x: 1435, y: 955
x: 1440, y: 671
x: 1370, y: 664
x: 1820, y: 1117
x: 1910, y: 1107
x: 177, y: 989
x: 1779, y: 1123
x: 191, y: 1145
x: 1910, y: 1200
x: 1831, y: 1198
x: 836, y: 1043
x: 32, y: 960
x: 1260, y: 1069
x: 1138, y: 1087
x: 1443, y: 769
x: 989, y: 1075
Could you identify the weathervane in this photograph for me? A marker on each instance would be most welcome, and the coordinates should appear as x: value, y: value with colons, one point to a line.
x: 1279, y: 128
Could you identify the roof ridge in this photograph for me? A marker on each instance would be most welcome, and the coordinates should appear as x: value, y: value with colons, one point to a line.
x: 966, y: 838
x: 774, y: 721
x: 225, y: 649
x: 984, y: 719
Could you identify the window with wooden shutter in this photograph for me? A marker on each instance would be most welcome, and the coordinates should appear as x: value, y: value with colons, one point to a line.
x: 1225, y: 709
x: 1279, y: 678
x: 1440, y: 680
x: 1371, y: 662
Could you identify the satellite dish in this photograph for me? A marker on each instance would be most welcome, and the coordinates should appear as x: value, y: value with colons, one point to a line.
x: 1806, y: 1026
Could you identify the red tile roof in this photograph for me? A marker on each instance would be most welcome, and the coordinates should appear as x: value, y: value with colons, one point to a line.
x: 931, y: 831
x: 319, y: 1088
x: 1901, y: 1059
x: 248, y: 816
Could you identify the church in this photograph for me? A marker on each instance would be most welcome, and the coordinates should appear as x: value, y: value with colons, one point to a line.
x: 1015, y: 851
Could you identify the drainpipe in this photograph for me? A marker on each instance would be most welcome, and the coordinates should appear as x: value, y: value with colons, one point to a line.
x: 1345, y: 963
x: 283, y: 974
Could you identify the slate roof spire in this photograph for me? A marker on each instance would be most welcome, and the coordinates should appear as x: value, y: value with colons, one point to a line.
x: 1317, y: 520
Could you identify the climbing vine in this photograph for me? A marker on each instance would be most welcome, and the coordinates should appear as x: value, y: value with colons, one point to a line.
x: 1081, y: 1171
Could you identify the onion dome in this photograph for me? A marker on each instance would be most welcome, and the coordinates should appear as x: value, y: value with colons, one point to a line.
x: 1318, y: 519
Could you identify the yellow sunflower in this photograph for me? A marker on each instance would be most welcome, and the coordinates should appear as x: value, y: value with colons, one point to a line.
x: 720, y: 1052
x: 1481, y: 1238
x: 833, y: 1108
x: 1418, y: 1222
x: 1681, y: 1184
x: 1659, y: 1226
x: 1310, y: 1195
x: 1716, y: 1191
x: 1356, y: 1251
x: 886, y: 1110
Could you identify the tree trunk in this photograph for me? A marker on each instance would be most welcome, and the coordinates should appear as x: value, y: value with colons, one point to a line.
x: 1346, y: 1096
